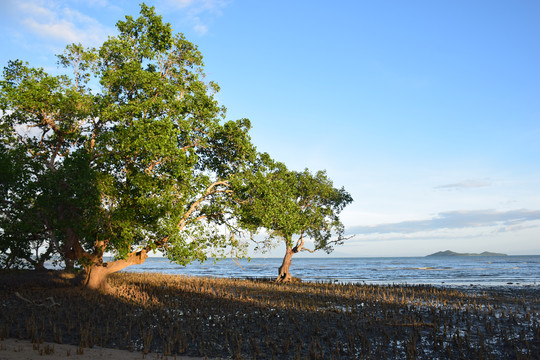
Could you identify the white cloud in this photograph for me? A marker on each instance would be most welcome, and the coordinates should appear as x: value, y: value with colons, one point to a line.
x: 61, y: 30
x: 199, y: 13
x: 52, y: 21
x: 33, y: 8
x: 430, y: 235
x: 466, y: 184
x: 182, y: 3
x: 198, y: 6
x: 200, y: 28
x: 97, y: 3
x: 466, y: 219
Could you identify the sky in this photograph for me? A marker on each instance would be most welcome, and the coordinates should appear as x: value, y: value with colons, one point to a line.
x: 427, y: 112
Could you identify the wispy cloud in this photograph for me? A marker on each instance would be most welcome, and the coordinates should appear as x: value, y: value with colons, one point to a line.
x: 466, y: 184
x: 505, y: 220
x: 55, y: 22
x: 199, y: 13
x: 97, y: 3
x: 199, y: 6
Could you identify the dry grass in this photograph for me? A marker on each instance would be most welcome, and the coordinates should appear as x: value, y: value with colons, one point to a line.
x: 233, y: 318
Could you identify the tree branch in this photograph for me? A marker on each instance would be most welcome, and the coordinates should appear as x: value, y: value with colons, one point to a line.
x: 134, y: 258
x: 299, y: 243
x: 210, y: 190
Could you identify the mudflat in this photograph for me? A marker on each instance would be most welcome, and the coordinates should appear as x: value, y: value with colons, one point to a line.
x: 13, y: 349
x: 172, y: 316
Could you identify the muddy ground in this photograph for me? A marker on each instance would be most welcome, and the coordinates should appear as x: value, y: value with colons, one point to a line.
x: 247, y: 319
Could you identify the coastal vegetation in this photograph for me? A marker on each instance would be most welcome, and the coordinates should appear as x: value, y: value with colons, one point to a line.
x: 245, y: 319
x: 130, y: 153
x: 285, y: 203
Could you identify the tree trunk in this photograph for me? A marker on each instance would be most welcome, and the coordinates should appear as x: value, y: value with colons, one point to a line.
x: 69, y: 265
x: 283, y: 273
x: 96, y: 278
x: 40, y: 265
x: 96, y: 274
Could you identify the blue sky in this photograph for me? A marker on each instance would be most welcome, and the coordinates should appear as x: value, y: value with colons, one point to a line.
x: 427, y: 112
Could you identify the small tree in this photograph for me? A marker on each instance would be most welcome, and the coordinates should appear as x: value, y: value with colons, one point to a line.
x: 126, y: 155
x: 287, y: 203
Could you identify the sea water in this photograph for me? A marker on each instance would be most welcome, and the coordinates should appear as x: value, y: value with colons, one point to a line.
x: 449, y: 271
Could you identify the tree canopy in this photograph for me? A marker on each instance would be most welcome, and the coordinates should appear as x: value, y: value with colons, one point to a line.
x: 129, y: 152
x: 285, y: 203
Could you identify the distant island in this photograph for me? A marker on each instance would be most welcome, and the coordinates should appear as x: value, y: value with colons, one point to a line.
x: 451, y: 253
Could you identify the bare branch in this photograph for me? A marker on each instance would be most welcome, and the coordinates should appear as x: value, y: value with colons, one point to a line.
x: 50, y: 165
x: 235, y: 257
x: 340, y: 239
x: 299, y: 243
x: 50, y: 299
x: 149, y: 169
x: 209, y: 191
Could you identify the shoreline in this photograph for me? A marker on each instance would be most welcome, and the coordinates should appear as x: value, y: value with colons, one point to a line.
x: 465, y: 286
x: 406, y: 271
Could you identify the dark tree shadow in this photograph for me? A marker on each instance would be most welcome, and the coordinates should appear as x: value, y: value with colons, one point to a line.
x: 231, y: 318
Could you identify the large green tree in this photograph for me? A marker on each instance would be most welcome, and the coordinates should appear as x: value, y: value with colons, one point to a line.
x: 128, y: 153
x: 294, y: 206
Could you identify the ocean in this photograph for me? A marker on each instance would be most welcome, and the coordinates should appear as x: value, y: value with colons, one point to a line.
x: 447, y: 271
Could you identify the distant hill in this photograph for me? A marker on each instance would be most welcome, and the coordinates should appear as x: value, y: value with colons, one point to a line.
x: 451, y: 253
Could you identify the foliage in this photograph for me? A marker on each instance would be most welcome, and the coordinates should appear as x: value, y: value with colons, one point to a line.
x: 287, y: 203
x: 129, y: 152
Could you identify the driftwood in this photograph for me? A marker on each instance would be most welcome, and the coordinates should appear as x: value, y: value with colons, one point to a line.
x: 50, y: 299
